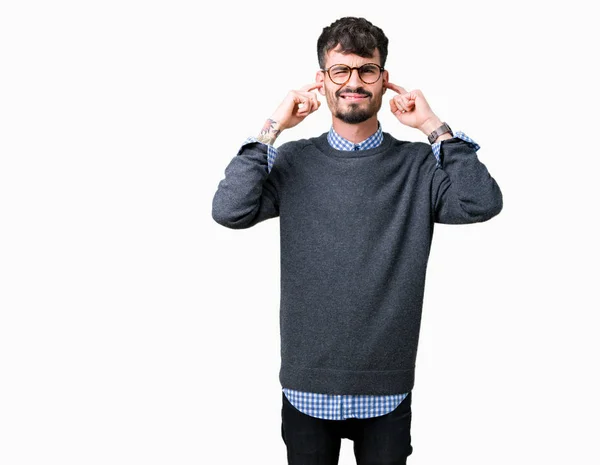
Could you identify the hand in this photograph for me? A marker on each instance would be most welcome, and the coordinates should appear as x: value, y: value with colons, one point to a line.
x: 296, y: 106
x: 410, y: 108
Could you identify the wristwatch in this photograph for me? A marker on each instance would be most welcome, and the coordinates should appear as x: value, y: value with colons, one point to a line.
x: 444, y: 128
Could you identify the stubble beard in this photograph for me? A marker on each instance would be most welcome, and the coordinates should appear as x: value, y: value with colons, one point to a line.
x: 355, y: 113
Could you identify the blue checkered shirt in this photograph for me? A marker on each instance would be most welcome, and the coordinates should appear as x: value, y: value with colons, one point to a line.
x: 338, y: 142
x: 343, y: 406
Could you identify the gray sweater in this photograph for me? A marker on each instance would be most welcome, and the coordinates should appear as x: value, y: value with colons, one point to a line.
x: 356, y: 230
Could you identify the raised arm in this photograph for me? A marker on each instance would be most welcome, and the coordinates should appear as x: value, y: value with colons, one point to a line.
x: 248, y: 194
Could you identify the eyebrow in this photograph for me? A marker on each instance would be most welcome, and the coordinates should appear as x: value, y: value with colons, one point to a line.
x: 357, y: 66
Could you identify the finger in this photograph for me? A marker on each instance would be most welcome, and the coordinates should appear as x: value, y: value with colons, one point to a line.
x: 313, y: 104
x: 397, y: 111
x: 408, y: 100
x: 314, y: 100
x: 309, y: 87
x: 308, y: 94
x: 307, y: 106
x: 395, y: 88
x: 393, y: 106
x: 303, y: 105
x: 311, y: 100
x: 401, y: 104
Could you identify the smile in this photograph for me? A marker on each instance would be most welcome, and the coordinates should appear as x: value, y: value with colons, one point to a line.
x: 353, y: 97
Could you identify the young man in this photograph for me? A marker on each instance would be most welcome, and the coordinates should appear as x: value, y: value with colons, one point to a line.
x: 357, y: 209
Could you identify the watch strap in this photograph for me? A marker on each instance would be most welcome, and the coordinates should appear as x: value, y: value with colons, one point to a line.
x: 444, y: 128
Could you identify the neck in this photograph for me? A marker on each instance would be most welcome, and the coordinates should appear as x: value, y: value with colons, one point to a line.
x: 355, y: 132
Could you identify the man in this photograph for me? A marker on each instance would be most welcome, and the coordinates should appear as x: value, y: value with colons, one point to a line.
x: 357, y: 209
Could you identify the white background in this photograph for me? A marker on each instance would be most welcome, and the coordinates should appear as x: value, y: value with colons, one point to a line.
x: 136, y: 330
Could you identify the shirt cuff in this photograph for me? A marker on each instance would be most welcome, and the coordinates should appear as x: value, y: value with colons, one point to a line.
x: 458, y: 134
x: 271, y: 151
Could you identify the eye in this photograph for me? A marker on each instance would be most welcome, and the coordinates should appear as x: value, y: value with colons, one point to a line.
x: 369, y: 70
x: 339, y: 70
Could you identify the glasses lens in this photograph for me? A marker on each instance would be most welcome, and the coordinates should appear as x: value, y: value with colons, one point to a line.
x: 339, y: 74
x: 369, y: 73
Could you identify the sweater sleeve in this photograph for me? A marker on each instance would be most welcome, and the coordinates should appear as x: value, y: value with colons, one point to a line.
x: 463, y: 191
x: 247, y: 194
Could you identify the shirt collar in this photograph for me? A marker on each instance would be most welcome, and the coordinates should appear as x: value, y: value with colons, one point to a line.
x: 340, y: 143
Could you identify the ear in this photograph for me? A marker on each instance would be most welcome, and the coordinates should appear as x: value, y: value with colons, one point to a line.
x: 386, y: 79
x: 320, y: 77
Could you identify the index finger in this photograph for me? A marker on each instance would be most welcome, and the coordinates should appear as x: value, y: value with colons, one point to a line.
x: 309, y: 87
x: 394, y: 87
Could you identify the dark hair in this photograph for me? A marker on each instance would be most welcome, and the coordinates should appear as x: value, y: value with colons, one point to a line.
x: 355, y: 35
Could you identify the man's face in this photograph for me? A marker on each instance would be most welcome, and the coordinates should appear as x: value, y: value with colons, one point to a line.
x: 339, y: 96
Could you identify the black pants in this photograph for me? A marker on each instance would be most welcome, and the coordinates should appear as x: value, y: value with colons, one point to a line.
x: 383, y: 440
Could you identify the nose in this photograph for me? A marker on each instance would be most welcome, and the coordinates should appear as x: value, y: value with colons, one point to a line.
x: 354, y: 80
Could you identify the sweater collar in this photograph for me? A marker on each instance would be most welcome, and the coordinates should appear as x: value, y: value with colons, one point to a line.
x: 340, y: 143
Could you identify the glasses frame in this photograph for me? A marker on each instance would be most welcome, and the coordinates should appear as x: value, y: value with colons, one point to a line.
x: 352, y: 68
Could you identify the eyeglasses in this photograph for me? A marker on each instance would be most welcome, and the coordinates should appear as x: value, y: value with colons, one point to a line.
x: 368, y: 73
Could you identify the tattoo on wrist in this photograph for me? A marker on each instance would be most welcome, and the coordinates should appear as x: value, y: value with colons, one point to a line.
x: 269, y: 132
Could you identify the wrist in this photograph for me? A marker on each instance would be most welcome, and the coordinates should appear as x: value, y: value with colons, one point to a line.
x: 430, y: 125
x: 269, y: 132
